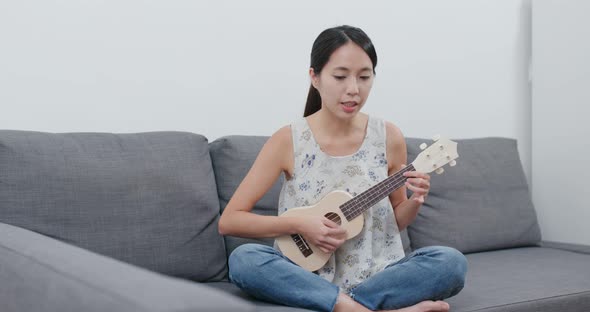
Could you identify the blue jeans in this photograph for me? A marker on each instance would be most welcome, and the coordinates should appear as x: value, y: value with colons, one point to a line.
x: 429, y: 273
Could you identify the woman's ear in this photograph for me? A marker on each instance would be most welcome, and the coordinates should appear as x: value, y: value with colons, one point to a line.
x: 313, y: 77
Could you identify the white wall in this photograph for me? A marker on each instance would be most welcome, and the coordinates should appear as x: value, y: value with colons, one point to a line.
x: 458, y: 68
x: 561, y: 98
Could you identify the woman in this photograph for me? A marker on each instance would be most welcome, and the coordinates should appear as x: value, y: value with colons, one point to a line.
x: 337, y: 147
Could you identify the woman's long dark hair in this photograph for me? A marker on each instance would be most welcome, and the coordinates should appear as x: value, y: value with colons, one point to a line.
x: 323, y: 46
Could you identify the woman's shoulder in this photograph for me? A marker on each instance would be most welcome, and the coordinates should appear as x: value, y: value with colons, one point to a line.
x: 395, y: 145
x: 277, y: 150
x: 282, y: 137
x: 391, y: 129
x: 393, y: 132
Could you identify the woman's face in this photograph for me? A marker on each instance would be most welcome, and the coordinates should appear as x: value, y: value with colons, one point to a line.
x: 345, y: 81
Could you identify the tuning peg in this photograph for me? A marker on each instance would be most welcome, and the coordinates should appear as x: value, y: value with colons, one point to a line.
x: 436, y: 137
x: 453, y: 163
x: 423, y: 146
x: 440, y: 170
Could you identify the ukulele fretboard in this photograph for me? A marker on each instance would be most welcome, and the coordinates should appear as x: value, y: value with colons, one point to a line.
x: 365, y: 200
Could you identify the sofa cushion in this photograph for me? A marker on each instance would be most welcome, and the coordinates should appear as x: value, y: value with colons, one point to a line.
x: 531, y: 279
x: 148, y: 198
x: 261, y: 306
x: 39, y: 273
x: 483, y: 203
x: 232, y: 157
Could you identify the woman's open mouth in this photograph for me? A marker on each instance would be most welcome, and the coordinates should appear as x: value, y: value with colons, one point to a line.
x: 349, y: 106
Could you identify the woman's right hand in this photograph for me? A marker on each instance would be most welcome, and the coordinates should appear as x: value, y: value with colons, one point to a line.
x: 322, y: 232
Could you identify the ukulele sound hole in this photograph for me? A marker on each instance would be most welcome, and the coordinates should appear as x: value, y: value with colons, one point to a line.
x: 334, y: 217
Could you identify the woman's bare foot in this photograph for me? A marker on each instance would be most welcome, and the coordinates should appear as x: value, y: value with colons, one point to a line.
x: 346, y: 304
x: 426, y: 306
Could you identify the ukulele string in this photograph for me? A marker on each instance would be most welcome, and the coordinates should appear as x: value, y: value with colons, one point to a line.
x: 394, y: 180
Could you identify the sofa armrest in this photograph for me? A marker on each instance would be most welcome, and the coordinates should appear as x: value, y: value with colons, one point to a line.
x: 39, y: 273
x: 584, y: 249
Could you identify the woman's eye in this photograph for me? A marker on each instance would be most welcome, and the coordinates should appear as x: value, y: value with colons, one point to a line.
x: 365, y: 77
x: 339, y: 77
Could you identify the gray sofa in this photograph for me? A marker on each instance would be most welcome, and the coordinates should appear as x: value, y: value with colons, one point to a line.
x: 128, y: 222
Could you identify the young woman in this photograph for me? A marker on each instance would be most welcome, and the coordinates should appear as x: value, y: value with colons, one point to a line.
x: 337, y: 147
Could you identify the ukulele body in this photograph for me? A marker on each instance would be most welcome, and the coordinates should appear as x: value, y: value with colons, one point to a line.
x: 302, y: 252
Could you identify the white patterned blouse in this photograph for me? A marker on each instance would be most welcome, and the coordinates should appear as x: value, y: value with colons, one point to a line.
x: 316, y: 173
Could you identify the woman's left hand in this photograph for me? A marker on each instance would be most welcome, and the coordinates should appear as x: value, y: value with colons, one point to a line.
x: 419, y: 184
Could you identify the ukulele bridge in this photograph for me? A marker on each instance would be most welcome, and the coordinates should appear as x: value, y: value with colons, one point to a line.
x: 302, y: 245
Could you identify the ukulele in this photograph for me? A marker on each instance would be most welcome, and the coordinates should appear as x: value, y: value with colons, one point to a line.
x: 346, y: 210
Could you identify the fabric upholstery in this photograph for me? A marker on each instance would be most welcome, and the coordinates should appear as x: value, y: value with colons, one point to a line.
x: 525, y: 279
x: 584, y: 249
x: 483, y: 203
x: 148, y: 199
x: 261, y: 306
x: 232, y: 157
x: 42, y: 274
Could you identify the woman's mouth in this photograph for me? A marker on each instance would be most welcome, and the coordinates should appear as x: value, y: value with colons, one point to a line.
x: 349, y: 106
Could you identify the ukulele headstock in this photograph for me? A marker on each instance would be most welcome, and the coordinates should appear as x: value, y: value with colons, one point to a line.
x: 443, y: 151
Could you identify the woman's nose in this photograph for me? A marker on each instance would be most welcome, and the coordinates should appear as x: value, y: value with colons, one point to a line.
x: 352, y: 87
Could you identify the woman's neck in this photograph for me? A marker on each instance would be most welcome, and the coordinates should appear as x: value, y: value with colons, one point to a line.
x: 337, y: 137
x: 328, y: 125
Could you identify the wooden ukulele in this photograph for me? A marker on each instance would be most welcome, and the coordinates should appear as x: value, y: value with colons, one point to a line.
x: 346, y: 210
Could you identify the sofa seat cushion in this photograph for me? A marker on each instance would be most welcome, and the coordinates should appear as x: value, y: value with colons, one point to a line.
x: 261, y: 306
x: 528, y: 279
x: 482, y: 203
x: 148, y: 198
x: 525, y: 279
x: 39, y: 273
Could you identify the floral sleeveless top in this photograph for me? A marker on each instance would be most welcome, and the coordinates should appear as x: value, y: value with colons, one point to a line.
x: 316, y: 173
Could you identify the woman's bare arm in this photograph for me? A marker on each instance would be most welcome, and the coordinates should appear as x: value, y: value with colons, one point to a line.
x: 405, y: 210
x: 237, y: 218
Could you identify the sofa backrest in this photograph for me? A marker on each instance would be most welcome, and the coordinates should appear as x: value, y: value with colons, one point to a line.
x: 483, y: 203
x: 153, y: 199
x: 232, y: 157
x: 148, y: 199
